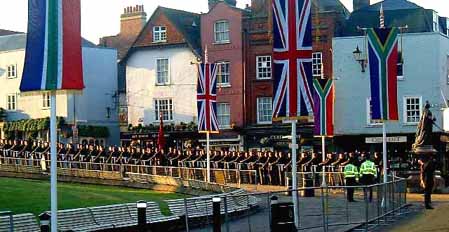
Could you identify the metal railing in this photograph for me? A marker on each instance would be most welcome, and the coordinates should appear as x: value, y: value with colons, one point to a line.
x: 10, y: 215
x: 327, y: 210
x: 221, y: 176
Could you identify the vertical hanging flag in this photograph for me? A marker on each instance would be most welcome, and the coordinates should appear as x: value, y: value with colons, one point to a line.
x: 324, y: 106
x: 207, y: 98
x: 383, y: 57
x: 292, y: 55
x: 53, y: 58
x: 160, y: 136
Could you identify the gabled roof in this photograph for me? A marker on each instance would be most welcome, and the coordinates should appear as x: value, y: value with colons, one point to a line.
x: 187, y: 23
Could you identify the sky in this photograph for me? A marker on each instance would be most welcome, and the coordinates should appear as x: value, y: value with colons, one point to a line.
x: 102, y: 17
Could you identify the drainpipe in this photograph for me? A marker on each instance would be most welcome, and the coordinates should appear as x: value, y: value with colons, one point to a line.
x: 244, y: 44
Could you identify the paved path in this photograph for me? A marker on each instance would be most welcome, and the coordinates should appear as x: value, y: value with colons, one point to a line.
x: 421, y: 220
x: 342, y: 215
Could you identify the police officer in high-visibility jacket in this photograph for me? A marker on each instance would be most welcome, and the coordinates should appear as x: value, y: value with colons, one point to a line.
x: 351, y: 177
x: 368, y: 175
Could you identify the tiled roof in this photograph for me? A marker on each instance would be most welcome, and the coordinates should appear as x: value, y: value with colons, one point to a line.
x: 186, y: 23
x: 121, y: 43
x: 331, y: 5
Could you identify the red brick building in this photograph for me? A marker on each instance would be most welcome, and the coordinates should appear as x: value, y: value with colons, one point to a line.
x: 132, y: 22
x: 221, y: 33
x: 326, y: 17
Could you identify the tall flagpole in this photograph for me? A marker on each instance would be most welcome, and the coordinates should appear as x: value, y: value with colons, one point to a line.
x: 206, y: 60
x: 53, y: 165
x: 208, y: 155
x: 294, y: 147
x: 384, y: 149
x: 323, y: 151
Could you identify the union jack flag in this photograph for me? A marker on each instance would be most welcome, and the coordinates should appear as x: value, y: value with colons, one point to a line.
x: 292, y: 59
x: 207, y: 98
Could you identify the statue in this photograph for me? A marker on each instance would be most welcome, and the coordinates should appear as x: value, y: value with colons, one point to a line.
x: 424, y: 131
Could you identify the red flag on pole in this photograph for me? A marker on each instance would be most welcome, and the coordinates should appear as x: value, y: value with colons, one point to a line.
x: 160, y: 137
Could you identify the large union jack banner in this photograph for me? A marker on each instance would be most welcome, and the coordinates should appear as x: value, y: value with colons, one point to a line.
x: 383, y: 58
x: 292, y: 55
x: 207, y: 98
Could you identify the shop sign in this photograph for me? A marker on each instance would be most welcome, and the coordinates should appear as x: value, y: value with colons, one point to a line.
x: 395, y: 139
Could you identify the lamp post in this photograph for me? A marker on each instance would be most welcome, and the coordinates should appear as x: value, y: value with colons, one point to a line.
x: 359, y: 57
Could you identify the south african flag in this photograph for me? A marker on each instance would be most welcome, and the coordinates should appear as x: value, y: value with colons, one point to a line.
x: 383, y: 58
x: 324, y: 106
x: 53, y: 58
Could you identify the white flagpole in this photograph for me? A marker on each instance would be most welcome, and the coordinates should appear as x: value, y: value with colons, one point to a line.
x: 323, y: 150
x: 384, y: 148
x: 294, y: 175
x: 208, y: 155
x: 53, y: 159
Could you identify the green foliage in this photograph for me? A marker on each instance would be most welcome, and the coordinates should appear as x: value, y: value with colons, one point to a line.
x: 31, y: 125
x: 93, y: 131
x: 31, y: 196
x: 2, y: 115
x: 191, y: 126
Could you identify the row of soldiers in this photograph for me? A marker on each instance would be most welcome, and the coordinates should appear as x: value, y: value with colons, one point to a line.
x: 270, y: 167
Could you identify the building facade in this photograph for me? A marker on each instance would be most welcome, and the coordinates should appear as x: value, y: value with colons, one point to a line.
x: 100, y: 78
x: 422, y: 76
x: 161, y: 70
x: 221, y: 34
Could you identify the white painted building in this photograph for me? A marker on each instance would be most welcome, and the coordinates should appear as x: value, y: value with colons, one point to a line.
x: 160, y: 76
x: 173, y: 95
x: 95, y: 106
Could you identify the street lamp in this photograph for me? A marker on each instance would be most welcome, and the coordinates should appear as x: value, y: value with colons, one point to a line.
x: 359, y: 57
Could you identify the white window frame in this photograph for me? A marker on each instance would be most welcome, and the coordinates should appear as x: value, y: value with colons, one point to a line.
x: 11, y: 105
x: 221, y: 115
x: 369, y: 121
x: 11, y: 71
x: 400, y: 77
x: 220, y: 82
x: 159, y: 34
x: 447, y: 27
x: 167, y: 81
x: 264, y: 63
x: 317, y: 65
x: 225, y: 31
x: 436, y: 23
x: 259, y: 110
x: 404, y: 109
x: 46, y: 100
x: 158, y: 109
x: 447, y: 69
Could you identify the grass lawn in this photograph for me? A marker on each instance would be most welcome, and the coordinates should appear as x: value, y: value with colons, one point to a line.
x: 33, y: 196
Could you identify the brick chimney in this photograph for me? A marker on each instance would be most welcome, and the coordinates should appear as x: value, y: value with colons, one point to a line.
x: 212, y: 3
x: 359, y: 4
x: 132, y: 20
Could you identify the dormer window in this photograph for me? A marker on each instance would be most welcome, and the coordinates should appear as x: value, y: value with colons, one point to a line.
x: 159, y: 34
